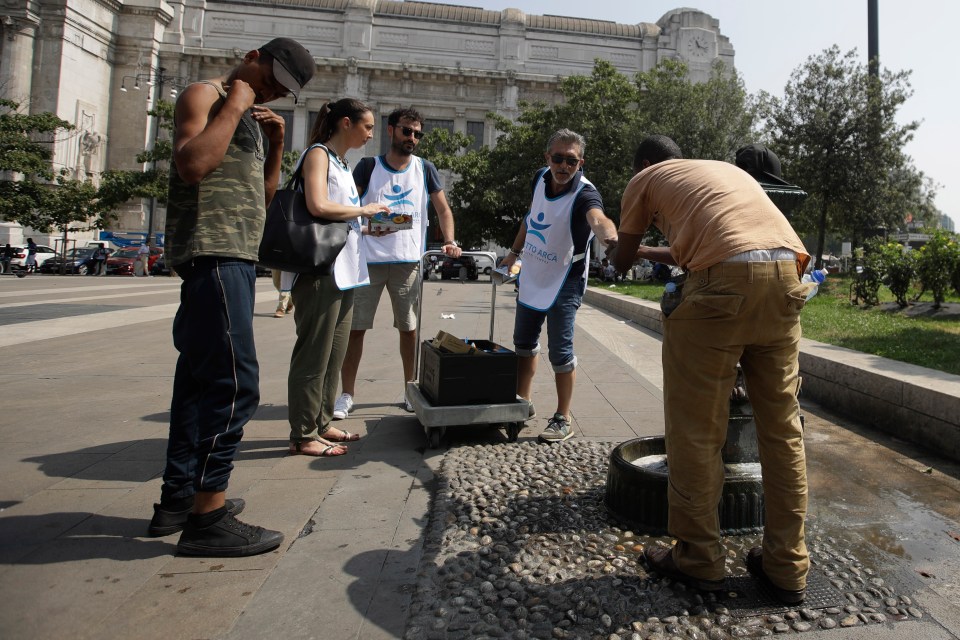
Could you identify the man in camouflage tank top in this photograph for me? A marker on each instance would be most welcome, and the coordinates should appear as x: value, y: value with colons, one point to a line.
x: 227, y: 149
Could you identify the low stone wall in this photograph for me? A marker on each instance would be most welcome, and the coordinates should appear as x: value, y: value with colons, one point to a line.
x: 913, y: 403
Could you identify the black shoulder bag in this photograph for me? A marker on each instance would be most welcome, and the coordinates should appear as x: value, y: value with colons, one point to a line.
x: 293, y: 239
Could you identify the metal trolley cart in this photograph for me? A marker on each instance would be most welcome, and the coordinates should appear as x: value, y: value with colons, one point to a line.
x: 437, y: 416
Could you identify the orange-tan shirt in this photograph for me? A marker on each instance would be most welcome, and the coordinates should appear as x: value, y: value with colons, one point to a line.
x: 709, y: 211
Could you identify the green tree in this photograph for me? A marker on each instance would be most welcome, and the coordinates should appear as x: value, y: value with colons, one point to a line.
x: 936, y: 262
x: 492, y: 192
x: 868, y: 273
x: 836, y: 132
x: 26, y: 147
x: 708, y: 120
x: 899, y: 270
x: 119, y: 186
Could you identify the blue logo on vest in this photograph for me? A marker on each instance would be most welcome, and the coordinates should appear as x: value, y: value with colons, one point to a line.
x: 354, y: 199
x: 536, y: 227
x: 399, y: 198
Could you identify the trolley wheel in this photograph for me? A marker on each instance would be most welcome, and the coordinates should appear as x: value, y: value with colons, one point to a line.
x: 513, y: 431
x: 433, y: 437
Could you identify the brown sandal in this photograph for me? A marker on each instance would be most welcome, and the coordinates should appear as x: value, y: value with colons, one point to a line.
x: 345, y: 436
x: 296, y: 448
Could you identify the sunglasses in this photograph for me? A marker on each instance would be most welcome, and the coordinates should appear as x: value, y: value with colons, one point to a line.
x: 559, y: 159
x: 410, y: 131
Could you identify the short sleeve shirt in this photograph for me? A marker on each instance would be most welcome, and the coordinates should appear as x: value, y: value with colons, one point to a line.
x: 709, y: 211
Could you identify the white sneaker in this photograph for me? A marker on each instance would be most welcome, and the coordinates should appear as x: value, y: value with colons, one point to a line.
x: 343, y: 406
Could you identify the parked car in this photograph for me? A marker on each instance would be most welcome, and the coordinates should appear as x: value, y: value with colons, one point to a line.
x: 122, y: 261
x: 44, y: 253
x: 450, y: 267
x: 159, y: 267
x: 484, y: 265
x: 80, y: 261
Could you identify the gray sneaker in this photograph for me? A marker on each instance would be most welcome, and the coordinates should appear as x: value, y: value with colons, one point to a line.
x: 558, y: 430
x: 533, y: 411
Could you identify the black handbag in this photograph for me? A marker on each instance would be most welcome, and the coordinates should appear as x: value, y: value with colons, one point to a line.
x: 293, y: 239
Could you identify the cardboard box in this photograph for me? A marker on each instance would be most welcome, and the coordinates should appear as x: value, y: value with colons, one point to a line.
x: 391, y: 222
x: 451, y: 344
x: 487, y: 376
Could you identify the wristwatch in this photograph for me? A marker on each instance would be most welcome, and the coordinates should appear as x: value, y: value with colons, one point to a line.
x: 451, y: 242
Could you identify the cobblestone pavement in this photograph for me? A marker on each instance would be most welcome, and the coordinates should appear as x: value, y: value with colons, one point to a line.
x: 520, y: 545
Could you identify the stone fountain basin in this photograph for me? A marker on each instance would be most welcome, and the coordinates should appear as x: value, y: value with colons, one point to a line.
x: 636, y: 490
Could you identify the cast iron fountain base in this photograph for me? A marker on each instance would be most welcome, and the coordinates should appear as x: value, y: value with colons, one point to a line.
x: 636, y: 489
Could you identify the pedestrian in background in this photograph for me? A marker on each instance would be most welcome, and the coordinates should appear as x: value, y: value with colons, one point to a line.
x: 6, y: 258
x: 143, y: 260
x: 100, y: 260
x: 31, y: 263
x: 283, y: 282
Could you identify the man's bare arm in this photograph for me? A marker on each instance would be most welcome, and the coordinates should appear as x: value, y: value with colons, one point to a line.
x: 204, y: 127
x: 445, y: 217
x: 518, y: 242
x: 603, y: 228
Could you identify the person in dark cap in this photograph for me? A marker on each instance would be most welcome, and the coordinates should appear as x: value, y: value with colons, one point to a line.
x: 227, y: 149
x: 761, y: 163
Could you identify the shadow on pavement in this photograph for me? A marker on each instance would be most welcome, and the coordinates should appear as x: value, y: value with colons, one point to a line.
x: 57, y: 537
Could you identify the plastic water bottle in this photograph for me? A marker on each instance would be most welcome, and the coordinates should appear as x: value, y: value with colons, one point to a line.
x: 817, y: 276
x: 670, y: 298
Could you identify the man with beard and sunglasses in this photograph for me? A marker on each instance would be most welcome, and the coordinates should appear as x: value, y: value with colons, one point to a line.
x: 554, y: 240
x: 407, y: 184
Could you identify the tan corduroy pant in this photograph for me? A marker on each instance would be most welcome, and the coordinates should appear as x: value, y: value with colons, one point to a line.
x: 747, y: 312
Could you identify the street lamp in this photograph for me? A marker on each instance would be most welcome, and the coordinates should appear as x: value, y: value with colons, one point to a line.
x: 154, y: 78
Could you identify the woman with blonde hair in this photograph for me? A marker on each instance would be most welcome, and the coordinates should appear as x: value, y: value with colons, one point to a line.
x: 324, y: 303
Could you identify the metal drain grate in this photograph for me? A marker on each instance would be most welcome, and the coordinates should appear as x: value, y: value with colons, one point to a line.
x: 747, y: 596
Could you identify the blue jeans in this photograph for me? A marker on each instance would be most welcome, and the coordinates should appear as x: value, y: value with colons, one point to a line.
x: 216, y: 388
x: 560, y: 323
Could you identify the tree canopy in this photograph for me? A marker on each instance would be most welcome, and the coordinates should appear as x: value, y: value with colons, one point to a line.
x: 32, y: 194
x: 118, y: 186
x: 26, y: 147
x: 836, y: 132
x: 613, y: 113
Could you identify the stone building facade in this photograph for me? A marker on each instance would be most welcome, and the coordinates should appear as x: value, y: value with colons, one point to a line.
x: 86, y: 59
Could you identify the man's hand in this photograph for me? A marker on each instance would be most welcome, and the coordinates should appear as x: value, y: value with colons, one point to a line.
x: 241, y: 92
x: 273, y: 125
x: 451, y: 250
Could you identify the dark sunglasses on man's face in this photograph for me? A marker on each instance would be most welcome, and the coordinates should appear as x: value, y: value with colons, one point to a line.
x: 410, y: 131
x: 559, y: 159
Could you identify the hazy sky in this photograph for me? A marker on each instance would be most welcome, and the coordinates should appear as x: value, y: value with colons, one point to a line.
x: 773, y: 38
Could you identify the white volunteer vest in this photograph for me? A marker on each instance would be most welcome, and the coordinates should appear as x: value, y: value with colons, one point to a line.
x: 548, y: 248
x: 404, y: 192
x: 350, y: 268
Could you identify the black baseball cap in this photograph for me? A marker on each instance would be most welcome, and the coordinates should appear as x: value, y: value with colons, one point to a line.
x: 761, y: 163
x: 293, y: 66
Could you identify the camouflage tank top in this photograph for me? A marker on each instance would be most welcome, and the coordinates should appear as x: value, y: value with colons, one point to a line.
x: 223, y: 215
